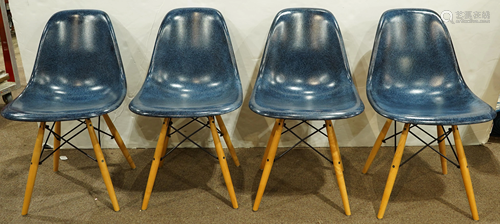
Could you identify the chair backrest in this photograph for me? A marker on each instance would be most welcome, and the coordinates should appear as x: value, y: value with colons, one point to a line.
x: 304, y: 54
x: 413, y: 56
x: 193, y: 56
x: 78, y: 57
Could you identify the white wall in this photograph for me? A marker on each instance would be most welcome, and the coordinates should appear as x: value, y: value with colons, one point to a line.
x: 136, y: 24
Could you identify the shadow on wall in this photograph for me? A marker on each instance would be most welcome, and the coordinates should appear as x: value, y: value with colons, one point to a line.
x: 251, y: 127
x: 470, y: 133
x: 357, y: 131
x: 352, y: 131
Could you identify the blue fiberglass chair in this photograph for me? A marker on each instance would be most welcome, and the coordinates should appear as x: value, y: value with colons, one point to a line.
x: 192, y: 74
x: 77, y: 75
x: 414, y: 78
x: 304, y: 75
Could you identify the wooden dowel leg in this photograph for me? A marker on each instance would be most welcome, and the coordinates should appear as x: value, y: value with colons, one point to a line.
x: 337, y: 165
x: 155, y: 164
x: 394, y: 171
x: 223, y: 162
x: 269, y: 143
x: 102, y: 165
x: 442, y: 149
x: 119, y: 140
x: 227, y: 139
x: 464, y: 169
x: 57, y: 143
x: 35, y: 159
x: 377, y: 145
x: 165, y: 143
x: 269, y: 163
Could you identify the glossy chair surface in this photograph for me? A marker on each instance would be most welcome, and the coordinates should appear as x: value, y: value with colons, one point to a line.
x: 193, y: 71
x: 304, y: 73
x: 77, y: 73
x: 192, y: 74
x: 414, y: 76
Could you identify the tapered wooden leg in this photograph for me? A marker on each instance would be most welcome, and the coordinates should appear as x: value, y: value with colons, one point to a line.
x: 165, y: 143
x: 227, y: 139
x: 35, y: 159
x: 276, y: 135
x: 57, y: 143
x: 223, y: 162
x: 269, y: 143
x: 102, y: 165
x: 442, y: 149
x: 155, y: 164
x: 377, y: 145
x: 119, y: 140
x: 337, y: 165
x: 394, y: 171
x: 464, y: 169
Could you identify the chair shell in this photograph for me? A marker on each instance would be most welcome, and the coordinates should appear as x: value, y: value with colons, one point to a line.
x: 414, y: 78
x: 414, y: 75
x: 304, y: 72
x: 193, y: 72
x: 78, y: 72
x: 304, y: 75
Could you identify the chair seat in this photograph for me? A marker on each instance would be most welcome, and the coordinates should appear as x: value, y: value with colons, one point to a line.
x: 38, y: 107
x: 304, y: 73
x: 460, y: 108
x: 301, y: 106
x: 156, y: 101
x: 193, y: 74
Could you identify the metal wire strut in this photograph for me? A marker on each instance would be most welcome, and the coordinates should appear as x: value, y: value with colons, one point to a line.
x: 303, y: 139
x: 428, y: 144
x: 178, y: 130
x: 67, y: 140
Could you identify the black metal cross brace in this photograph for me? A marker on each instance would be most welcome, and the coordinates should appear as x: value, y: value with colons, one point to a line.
x: 178, y: 130
x: 303, y: 139
x: 428, y: 144
x: 64, y: 140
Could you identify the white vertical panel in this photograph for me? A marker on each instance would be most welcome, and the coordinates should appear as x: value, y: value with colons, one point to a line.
x: 136, y: 24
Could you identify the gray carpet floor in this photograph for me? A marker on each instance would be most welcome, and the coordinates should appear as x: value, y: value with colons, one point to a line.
x: 190, y: 188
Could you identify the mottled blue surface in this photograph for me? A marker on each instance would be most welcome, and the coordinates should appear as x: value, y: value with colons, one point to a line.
x: 414, y: 75
x: 304, y: 72
x: 78, y: 71
x: 193, y: 71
